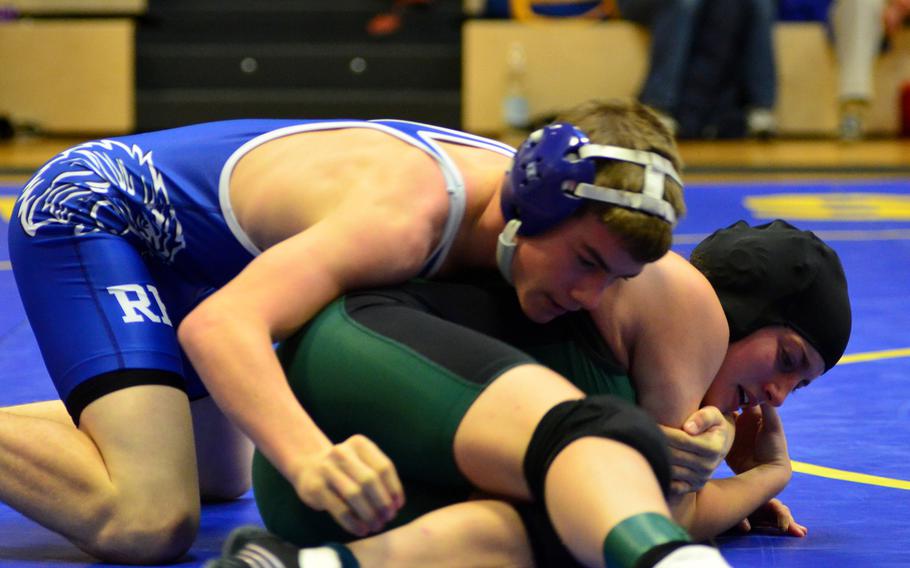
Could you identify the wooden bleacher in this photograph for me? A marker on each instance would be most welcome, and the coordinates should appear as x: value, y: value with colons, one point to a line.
x: 69, y: 65
x: 570, y: 61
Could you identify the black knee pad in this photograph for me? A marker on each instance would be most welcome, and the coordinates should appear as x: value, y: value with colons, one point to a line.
x: 603, y: 416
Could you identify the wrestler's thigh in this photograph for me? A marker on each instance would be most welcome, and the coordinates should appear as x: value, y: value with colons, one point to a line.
x: 493, y: 436
x: 374, y: 366
x: 145, y: 436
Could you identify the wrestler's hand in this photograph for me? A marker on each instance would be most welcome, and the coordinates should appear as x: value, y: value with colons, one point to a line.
x: 697, y: 449
x: 774, y: 516
x: 354, y: 482
x: 759, y: 441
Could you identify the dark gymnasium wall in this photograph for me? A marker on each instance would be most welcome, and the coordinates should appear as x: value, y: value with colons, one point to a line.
x: 201, y: 60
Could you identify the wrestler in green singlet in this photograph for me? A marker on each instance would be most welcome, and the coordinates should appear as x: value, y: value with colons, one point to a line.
x: 402, y: 366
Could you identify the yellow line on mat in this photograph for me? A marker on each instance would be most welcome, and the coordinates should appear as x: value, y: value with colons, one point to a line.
x: 844, y: 475
x: 874, y: 356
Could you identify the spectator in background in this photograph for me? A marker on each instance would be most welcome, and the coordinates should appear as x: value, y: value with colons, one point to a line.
x: 677, y: 30
x: 859, y: 28
x: 712, y: 70
x: 858, y: 33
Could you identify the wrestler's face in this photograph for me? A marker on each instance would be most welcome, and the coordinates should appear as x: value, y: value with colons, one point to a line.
x: 569, y: 267
x: 764, y: 367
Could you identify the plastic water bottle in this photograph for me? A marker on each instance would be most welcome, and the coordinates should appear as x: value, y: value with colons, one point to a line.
x: 516, y: 111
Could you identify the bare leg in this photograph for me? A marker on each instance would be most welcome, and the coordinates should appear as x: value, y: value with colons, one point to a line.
x: 858, y: 35
x: 224, y: 454
x: 475, y: 533
x: 122, y: 487
x: 47, y: 410
x: 615, y: 477
x: 481, y: 534
x: 593, y: 484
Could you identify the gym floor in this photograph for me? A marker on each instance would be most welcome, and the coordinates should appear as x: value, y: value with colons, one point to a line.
x: 847, y: 433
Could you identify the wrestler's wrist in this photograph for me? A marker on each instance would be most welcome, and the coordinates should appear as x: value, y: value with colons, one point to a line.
x: 776, y: 473
x: 295, y: 463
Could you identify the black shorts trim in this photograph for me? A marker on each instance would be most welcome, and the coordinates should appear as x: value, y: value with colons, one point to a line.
x: 458, y: 327
x: 94, y: 388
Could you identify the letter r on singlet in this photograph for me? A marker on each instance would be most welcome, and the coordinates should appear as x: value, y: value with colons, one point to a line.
x: 136, y: 303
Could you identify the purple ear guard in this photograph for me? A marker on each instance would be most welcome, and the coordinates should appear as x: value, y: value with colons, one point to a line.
x: 543, y: 164
x: 552, y: 175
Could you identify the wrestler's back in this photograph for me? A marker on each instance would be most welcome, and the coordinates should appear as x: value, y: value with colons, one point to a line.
x: 284, y: 186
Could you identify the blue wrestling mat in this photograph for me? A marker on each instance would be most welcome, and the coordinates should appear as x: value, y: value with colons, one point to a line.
x: 848, y: 434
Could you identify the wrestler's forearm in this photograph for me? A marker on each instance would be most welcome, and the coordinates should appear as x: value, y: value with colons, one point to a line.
x: 723, y: 503
x: 239, y: 367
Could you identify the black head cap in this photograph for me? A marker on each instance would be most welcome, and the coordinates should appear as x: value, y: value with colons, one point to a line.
x: 776, y: 274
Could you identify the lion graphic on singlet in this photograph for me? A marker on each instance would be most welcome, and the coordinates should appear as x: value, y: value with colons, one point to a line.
x: 109, y: 187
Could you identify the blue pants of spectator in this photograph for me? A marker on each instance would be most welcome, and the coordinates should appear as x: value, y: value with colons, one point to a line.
x: 673, y: 24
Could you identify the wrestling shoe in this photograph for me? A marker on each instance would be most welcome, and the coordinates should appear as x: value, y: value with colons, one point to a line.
x: 254, y: 547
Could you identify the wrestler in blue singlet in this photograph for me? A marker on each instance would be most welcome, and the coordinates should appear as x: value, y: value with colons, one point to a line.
x: 114, y: 241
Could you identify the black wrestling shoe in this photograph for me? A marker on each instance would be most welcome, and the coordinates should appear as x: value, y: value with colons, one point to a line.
x: 254, y: 547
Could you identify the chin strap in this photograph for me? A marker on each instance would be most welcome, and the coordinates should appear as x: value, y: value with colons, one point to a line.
x: 505, y: 248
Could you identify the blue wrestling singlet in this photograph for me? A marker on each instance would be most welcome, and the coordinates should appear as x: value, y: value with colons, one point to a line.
x: 114, y: 241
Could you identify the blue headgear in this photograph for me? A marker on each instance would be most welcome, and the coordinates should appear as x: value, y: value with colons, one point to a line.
x: 553, y: 173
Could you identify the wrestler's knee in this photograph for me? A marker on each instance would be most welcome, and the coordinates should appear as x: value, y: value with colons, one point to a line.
x: 600, y: 416
x: 145, y: 535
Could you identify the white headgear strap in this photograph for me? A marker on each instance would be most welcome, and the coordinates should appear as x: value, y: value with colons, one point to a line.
x: 651, y: 199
